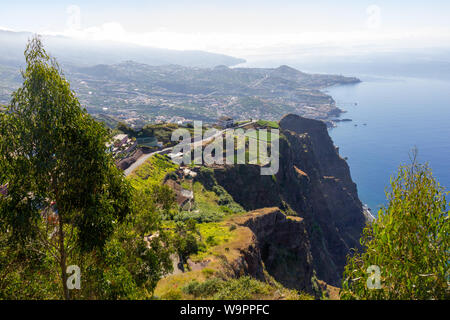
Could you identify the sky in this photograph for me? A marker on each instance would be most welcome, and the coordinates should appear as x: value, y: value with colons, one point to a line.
x: 239, y: 28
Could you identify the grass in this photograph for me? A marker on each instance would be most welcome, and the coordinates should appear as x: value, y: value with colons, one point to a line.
x: 206, y: 207
x: 269, y: 124
x: 227, y: 239
x: 252, y: 155
x: 150, y: 133
x: 170, y: 287
x: 222, y: 240
x: 152, y: 171
x: 213, y: 234
x: 163, y: 132
x: 186, y: 184
x: 225, y: 248
x: 147, y: 141
x: 243, y: 288
x: 210, y: 206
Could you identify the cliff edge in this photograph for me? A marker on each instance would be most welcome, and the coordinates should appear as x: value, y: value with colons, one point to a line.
x: 314, y: 184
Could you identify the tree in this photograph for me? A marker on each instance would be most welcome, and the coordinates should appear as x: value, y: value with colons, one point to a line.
x: 184, y: 240
x: 147, y: 244
x: 126, y: 129
x: 64, y: 192
x: 409, y: 242
x: 135, y: 257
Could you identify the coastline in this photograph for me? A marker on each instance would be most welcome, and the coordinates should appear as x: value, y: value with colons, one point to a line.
x: 332, y: 121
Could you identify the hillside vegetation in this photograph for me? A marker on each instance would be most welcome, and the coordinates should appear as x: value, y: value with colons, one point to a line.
x: 201, y: 232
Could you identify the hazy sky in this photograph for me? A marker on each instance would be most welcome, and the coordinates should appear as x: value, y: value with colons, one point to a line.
x: 238, y: 27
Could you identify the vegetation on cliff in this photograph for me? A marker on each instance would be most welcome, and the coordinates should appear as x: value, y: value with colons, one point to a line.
x: 63, y: 202
x: 408, y: 243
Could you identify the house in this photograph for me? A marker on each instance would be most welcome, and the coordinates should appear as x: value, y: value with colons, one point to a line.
x: 225, y: 122
x: 117, y: 141
x: 120, y: 139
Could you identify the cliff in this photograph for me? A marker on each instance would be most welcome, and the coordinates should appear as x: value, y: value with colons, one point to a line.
x: 281, y: 243
x: 313, y: 184
x: 266, y: 245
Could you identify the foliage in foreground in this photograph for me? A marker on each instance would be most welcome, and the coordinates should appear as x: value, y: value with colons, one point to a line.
x: 66, y: 203
x: 409, y: 242
x: 243, y: 288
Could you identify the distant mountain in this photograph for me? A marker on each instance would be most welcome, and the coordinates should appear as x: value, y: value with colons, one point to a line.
x: 134, y: 90
x: 70, y: 51
x: 270, y: 82
x: 138, y: 93
x: 137, y: 85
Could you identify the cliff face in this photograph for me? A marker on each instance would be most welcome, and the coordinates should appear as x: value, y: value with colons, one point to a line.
x: 313, y: 183
x: 282, y: 245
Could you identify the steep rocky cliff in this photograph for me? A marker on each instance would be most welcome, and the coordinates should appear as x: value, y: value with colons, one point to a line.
x: 281, y: 243
x: 313, y: 183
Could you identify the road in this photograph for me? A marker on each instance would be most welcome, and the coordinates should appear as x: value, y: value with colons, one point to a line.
x: 144, y: 157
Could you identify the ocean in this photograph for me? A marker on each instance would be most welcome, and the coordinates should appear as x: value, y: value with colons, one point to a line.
x: 392, y: 115
x: 402, y: 102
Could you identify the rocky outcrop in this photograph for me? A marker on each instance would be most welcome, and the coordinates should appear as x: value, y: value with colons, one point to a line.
x: 249, y: 261
x: 330, y: 202
x: 313, y: 183
x: 279, y: 242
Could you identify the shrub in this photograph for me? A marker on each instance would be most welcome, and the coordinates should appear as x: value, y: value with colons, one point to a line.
x: 204, y: 289
x: 173, y: 294
x: 409, y: 242
x: 211, y: 241
x: 208, y: 272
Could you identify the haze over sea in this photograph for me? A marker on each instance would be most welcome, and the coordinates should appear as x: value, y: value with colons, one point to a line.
x: 393, y: 115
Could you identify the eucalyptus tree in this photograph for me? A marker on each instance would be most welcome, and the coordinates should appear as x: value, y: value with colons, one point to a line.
x: 63, y: 190
x: 407, y: 248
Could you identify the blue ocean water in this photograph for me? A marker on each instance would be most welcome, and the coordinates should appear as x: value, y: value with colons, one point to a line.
x: 399, y: 114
